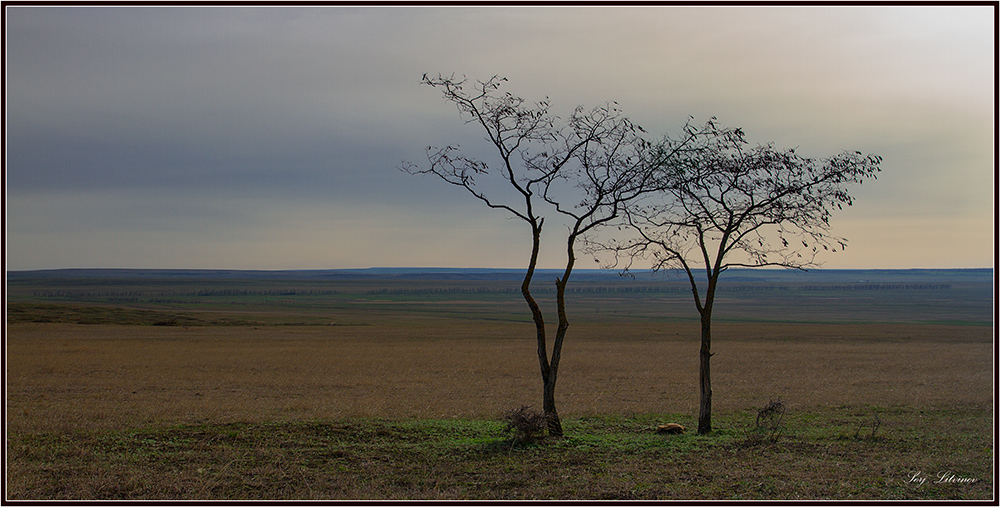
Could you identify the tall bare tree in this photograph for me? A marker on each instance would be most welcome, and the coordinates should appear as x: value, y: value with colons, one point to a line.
x: 720, y: 203
x: 607, y: 168
x: 592, y: 159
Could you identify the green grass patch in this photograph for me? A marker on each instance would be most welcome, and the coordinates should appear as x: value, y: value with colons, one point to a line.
x: 821, y: 454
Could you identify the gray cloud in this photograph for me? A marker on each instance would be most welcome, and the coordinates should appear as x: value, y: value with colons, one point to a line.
x: 136, y: 129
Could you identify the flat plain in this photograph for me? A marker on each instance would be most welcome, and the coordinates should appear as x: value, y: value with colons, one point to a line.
x: 223, y: 388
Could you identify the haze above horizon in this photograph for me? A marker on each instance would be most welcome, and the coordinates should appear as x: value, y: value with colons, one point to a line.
x: 269, y: 138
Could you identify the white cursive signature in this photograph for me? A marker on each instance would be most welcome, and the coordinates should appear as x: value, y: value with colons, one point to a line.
x: 948, y: 477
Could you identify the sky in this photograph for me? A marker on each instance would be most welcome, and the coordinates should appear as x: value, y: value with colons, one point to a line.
x: 240, y: 137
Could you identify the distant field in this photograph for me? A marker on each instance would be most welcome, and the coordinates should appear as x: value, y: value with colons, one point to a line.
x: 67, y: 376
x: 957, y: 297
x: 152, y: 388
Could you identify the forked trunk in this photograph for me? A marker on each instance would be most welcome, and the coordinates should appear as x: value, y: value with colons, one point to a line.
x: 552, y: 423
x: 554, y: 426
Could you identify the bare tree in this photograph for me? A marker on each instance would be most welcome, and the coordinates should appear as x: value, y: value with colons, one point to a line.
x: 607, y: 168
x: 592, y: 159
x: 720, y: 203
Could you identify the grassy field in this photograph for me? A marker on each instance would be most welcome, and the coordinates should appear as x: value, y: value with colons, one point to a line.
x: 824, y: 453
x: 394, y: 390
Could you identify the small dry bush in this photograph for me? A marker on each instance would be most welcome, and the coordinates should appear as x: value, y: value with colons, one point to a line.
x: 767, y: 427
x: 525, y: 423
x: 876, y: 421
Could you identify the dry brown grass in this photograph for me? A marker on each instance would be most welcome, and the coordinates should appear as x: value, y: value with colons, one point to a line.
x: 88, y: 377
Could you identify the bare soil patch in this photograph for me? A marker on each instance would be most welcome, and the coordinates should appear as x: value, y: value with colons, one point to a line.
x: 65, y: 377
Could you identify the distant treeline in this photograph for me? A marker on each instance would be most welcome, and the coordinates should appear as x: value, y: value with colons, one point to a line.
x: 880, y: 286
x: 168, y: 296
x: 268, y: 292
x: 680, y: 287
x: 512, y: 289
x: 200, y: 293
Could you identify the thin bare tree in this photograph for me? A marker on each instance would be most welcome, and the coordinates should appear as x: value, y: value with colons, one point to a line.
x: 607, y: 167
x: 592, y: 158
x: 714, y: 202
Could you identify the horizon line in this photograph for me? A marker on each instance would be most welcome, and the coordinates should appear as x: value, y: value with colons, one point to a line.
x: 430, y: 269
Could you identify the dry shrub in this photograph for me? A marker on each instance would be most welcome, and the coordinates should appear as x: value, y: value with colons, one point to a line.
x: 525, y: 423
x: 876, y: 421
x: 767, y: 427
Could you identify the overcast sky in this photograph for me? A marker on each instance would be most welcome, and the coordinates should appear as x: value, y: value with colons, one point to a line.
x: 270, y: 138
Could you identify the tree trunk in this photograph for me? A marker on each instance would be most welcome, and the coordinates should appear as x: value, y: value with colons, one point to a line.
x: 552, y: 422
x: 705, y: 383
x: 705, y: 356
x: 548, y: 371
x: 555, y: 428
